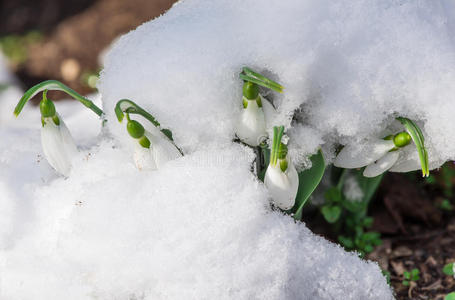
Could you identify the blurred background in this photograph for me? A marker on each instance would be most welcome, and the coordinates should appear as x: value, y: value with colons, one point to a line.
x: 65, y: 40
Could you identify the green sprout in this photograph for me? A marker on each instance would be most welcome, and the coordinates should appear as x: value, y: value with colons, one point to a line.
x: 411, y: 276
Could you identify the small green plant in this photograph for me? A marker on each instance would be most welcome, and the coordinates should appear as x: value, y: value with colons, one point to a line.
x: 446, y: 205
x: 347, y: 215
x: 448, y: 269
x: 413, y: 275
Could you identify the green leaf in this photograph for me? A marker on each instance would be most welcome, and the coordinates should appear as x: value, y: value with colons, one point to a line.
x: 261, y: 80
x: 448, y: 269
x: 405, y: 282
x: 368, y: 248
x: 346, y: 241
x: 368, y: 222
x: 331, y: 213
x: 54, y: 85
x: 415, y: 274
x: 407, y: 275
x: 419, y: 141
x: 450, y: 296
x: 308, y: 181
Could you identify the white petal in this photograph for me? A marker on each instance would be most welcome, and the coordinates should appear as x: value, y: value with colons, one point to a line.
x: 162, y: 150
x: 143, y: 158
x: 381, y: 165
x: 68, y: 141
x: 58, y: 146
x: 357, y: 156
x: 282, y: 186
x: 269, y: 111
x: 251, y: 124
x: 406, y: 164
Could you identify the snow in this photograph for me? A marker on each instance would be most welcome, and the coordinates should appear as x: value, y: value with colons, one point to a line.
x: 201, y: 227
x: 348, y: 68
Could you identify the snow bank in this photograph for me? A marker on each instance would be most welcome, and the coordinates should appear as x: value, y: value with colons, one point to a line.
x: 348, y: 68
x: 199, y: 229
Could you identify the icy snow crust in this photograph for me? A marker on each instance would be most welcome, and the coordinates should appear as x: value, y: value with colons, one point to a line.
x: 348, y: 67
x: 201, y: 227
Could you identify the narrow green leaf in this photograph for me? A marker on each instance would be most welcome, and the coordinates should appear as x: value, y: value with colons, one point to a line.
x: 266, y: 82
x: 57, y: 86
x: 308, y: 181
x: 419, y: 141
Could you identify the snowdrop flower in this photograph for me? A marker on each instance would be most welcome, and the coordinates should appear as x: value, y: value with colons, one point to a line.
x: 281, y: 178
x: 380, y: 155
x: 57, y: 143
x: 152, y: 151
x: 257, y: 111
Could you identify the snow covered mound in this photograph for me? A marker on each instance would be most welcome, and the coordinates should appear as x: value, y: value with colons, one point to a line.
x: 199, y: 229
x: 348, y: 67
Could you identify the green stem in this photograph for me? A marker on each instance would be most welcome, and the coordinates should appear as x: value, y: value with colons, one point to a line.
x: 58, y: 86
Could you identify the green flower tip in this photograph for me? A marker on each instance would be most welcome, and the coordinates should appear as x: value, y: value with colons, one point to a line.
x: 144, y: 142
x: 250, y: 90
x: 47, y: 107
x: 402, y: 139
x: 135, y: 129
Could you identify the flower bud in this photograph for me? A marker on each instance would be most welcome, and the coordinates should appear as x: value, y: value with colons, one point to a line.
x: 135, y: 129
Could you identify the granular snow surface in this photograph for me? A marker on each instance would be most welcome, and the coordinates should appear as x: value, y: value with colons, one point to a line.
x: 202, y: 227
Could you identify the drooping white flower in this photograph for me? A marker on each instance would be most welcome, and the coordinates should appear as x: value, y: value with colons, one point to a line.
x: 58, y: 144
x: 257, y: 111
x: 251, y: 126
x: 152, y: 150
x: 378, y: 156
x: 160, y: 151
x: 281, y: 178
